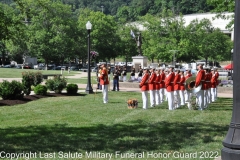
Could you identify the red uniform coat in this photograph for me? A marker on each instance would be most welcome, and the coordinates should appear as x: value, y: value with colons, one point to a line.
x: 169, y: 82
x: 151, y: 81
x: 176, y: 82
x: 157, y: 81
x: 200, y: 78
x: 214, y: 81
x: 181, y: 84
x: 188, y: 75
x: 162, y: 83
x: 144, y: 82
x: 104, y: 77
x: 209, y: 79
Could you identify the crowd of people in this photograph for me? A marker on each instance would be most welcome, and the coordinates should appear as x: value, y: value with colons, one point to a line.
x: 165, y: 84
x: 170, y: 84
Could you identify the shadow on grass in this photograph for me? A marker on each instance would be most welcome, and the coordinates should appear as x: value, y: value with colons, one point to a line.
x: 29, y: 98
x: 136, y: 136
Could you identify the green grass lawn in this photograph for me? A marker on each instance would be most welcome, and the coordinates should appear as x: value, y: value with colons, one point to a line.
x: 17, y: 73
x: 83, y: 124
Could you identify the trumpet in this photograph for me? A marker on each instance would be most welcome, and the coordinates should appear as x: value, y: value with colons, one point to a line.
x: 190, y: 85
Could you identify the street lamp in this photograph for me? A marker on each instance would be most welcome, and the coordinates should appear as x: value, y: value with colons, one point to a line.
x: 89, y: 86
x: 231, y: 143
x: 174, y: 57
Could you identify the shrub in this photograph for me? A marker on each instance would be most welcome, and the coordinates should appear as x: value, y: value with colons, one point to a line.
x: 11, y: 90
x: 29, y: 79
x: 72, y: 88
x: 40, y: 90
x: 57, y: 84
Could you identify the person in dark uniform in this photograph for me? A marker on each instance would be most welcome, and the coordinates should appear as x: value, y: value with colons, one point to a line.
x: 116, y: 74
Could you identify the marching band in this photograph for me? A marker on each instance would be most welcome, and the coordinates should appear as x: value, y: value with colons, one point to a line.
x: 178, y: 86
x: 175, y: 85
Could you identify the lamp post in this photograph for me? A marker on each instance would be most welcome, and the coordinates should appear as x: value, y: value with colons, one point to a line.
x: 174, y: 57
x: 89, y: 86
x: 231, y: 143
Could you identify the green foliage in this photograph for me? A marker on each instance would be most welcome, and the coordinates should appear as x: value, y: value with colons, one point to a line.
x: 57, y: 84
x: 31, y: 79
x: 11, y: 90
x: 72, y: 88
x: 40, y: 90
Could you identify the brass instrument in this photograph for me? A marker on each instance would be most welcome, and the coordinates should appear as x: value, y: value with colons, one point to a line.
x: 190, y: 85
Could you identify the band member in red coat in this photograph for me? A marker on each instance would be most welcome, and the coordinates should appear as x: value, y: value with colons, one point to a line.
x: 213, y: 85
x: 162, y: 84
x: 144, y: 87
x: 104, y: 82
x: 200, y: 79
x: 152, y: 86
x: 182, y: 87
x: 176, y: 88
x: 205, y: 86
x: 217, y: 76
x: 169, y: 80
x: 157, y: 84
x: 188, y: 94
x: 209, y: 85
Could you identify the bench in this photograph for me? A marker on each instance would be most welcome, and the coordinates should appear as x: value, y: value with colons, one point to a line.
x: 45, y: 76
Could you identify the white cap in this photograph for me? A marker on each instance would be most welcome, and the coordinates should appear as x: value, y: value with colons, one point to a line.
x: 176, y: 69
x: 189, y: 68
x: 145, y: 68
x: 170, y: 66
x: 182, y: 70
x: 152, y: 67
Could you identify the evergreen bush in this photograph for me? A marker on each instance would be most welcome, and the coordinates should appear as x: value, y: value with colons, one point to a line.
x: 40, y: 90
x: 11, y: 90
x: 57, y: 84
x: 72, y: 88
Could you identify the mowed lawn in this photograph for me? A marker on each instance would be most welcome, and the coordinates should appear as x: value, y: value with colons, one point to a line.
x: 83, y: 124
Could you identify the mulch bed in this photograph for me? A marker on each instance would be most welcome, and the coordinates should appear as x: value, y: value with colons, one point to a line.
x: 29, y: 98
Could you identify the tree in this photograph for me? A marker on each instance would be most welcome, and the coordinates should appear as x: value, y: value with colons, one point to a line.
x: 50, y: 32
x: 103, y: 33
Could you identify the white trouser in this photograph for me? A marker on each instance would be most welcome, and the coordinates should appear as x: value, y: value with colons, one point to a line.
x: 205, y: 98
x: 200, y: 99
x: 161, y: 94
x: 105, y: 93
x: 124, y: 78
x: 181, y: 93
x: 176, y: 99
x: 157, y: 97
x: 170, y: 98
x: 152, y: 98
x: 213, y: 90
x: 145, y: 99
x: 165, y: 93
x: 209, y: 96
x: 188, y: 99
x: 120, y: 78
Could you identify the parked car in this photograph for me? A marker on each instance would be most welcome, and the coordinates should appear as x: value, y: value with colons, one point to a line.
x: 7, y: 66
x: 27, y: 66
x: 84, y: 69
x: 94, y: 69
x: 74, y: 68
